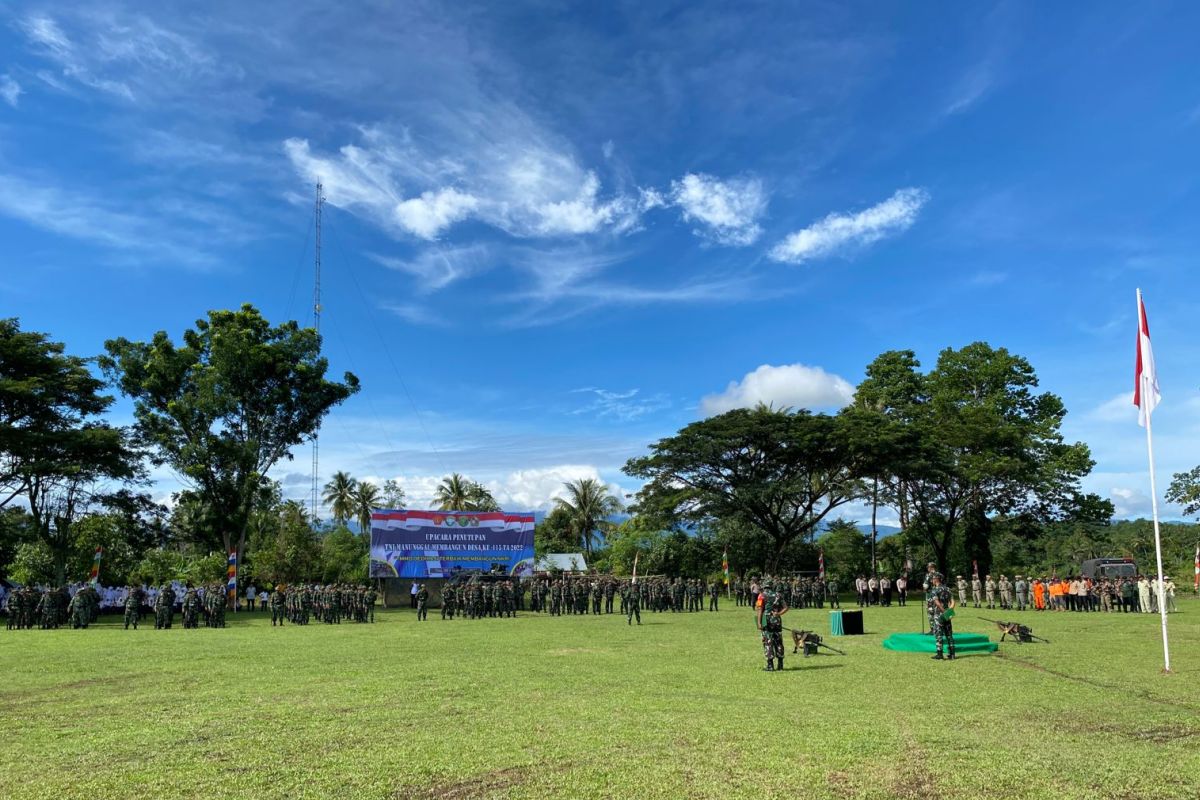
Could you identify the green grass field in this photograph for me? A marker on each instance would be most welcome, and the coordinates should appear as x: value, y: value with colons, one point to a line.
x: 589, y: 707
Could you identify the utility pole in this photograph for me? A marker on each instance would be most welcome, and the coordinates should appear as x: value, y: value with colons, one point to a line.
x: 316, y: 489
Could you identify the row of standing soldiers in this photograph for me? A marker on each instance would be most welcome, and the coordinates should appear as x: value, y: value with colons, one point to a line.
x: 796, y: 593
x: 329, y: 604
x: 587, y: 594
x: 52, y: 608
x: 477, y: 599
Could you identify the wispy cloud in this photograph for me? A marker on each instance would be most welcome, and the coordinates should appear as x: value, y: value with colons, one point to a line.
x: 437, y: 267
x: 82, y: 216
x: 625, y: 405
x: 10, y: 90
x: 727, y: 211
x: 839, y: 231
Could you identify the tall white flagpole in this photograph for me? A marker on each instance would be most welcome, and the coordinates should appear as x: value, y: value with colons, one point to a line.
x: 1148, y: 396
x: 1162, y: 604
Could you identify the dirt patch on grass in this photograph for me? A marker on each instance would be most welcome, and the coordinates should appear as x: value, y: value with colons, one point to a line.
x: 1157, y: 734
x: 906, y: 776
x: 573, y: 651
x: 477, y: 786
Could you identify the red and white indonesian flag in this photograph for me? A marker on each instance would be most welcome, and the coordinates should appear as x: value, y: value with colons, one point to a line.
x: 1145, y: 386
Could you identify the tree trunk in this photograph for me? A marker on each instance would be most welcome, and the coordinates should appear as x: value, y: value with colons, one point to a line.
x: 874, y: 527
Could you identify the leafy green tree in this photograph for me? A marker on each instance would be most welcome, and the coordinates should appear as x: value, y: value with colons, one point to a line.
x: 479, y: 498
x: 33, y: 563
x: 366, y: 500
x: 227, y: 404
x: 589, y: 504
x: 987, y: 445
x: 555, y: 533
x: 343, y: 557
x: 1185, y: 491
x: 636, y: 535
x: 393, y: 495
x: 285, y: 547
x: 778, y: 470
x: 205, y: 569
x: 159, y: 566
x: 847, y: 551
x: 16, y: 528
x: 340, y: 497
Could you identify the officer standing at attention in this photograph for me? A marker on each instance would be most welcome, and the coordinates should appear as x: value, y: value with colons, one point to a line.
x: 769, y: 611
x: 940, y: 602
x: 962, y: 590
x: 422, y: 601
x: 976, y: 589
x: 633, y: 604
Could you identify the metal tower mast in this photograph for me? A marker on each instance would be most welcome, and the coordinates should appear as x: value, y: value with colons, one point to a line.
x: 316, y: 489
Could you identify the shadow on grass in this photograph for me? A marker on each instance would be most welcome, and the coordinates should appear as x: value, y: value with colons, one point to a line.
x: 809, y: 667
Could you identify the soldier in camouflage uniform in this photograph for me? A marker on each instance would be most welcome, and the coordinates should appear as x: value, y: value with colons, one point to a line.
x: 191, y: 608
x: 633, y: 605
x: 422, y: 602
x: 133, y: 599
x: 769, y: 621
x: 448, y: 601
x: 78, y: 610
x: 278, y: 606
x: 940, y: 601
x: 164, y: 608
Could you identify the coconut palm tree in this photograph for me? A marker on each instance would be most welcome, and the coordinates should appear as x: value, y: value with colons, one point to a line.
x: 589, y: 504
x: 453, y: 493
x: 366, y: 499
x: 339, y: 496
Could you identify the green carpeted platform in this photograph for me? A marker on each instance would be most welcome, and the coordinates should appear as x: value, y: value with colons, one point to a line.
x: 924, y: 643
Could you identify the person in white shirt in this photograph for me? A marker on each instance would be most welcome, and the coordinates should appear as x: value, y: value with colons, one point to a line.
x: 412, y: 593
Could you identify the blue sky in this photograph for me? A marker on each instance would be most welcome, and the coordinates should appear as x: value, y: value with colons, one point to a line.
x: 554, y: 236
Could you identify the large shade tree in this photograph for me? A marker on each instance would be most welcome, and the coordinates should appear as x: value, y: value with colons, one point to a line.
x: 56, y: 454
x: 779, y: 470
x: 986, y: 444
x: 227, y: 404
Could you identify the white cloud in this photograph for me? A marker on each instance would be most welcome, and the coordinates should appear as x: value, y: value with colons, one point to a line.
x: 10, y: 90
x: 519, y: 490
x: 836, y: 231
x: 1129, y: 503
x: 431, y: 213
x: 792, y: 385
x: 497, y: 167
x: 727, y: 211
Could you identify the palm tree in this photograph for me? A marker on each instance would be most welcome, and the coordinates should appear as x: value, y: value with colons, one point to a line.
x: 453, y: 493
x: 366, y: 500
x: 589, y: 505
x: 339, y: 496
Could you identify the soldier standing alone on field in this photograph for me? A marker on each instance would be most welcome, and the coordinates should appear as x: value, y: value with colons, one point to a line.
x: 633, y: 605
x: 133, y: 600
x: 422, y: 601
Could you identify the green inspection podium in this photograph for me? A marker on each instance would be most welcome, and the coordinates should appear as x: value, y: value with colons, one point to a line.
x: 925, y: 643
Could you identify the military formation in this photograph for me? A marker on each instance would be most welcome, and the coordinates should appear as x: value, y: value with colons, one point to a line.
x: 53, y: 608
x: 49, y: 609
x: 795, y: 592
x: 329, y: 604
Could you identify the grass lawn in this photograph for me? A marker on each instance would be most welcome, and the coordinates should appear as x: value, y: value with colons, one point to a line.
x: 589, y: 707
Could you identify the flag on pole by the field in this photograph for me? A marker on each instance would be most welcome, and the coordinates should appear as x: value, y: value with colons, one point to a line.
x: 1146, y: 397
x: 1196, y: 580
x: 725, y: 565
x: 94, y: 577
x: 821, y: 564
x: 635, y: 560
x: 1145, y: 382
x: 231, y: 576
